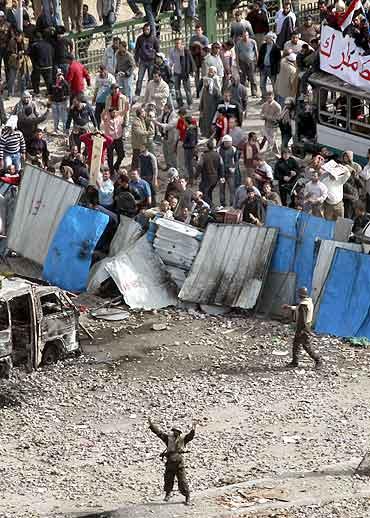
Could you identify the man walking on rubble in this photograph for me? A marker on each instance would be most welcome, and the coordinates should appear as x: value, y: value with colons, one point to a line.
x: 175, y: 466
x: 304, y: 315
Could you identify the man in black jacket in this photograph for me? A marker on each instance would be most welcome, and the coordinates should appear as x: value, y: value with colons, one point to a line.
x: 146, y: 48
x: 81, y: 114
x: 37, y: 149
x: 164, y: 69
x: 211, y: 169
x: 253, y: 210
x: 229, y: 108
x: 268, y: 62
x: 63, y: 46
x: 181, y: 62
x: 42, y: 57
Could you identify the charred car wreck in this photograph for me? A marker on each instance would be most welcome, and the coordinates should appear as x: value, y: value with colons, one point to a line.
x: 38, y: 324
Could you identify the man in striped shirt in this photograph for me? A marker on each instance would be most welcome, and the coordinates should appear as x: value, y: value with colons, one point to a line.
x: 12, y: 145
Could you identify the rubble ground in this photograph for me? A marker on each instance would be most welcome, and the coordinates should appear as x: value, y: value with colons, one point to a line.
x: 74, y: 436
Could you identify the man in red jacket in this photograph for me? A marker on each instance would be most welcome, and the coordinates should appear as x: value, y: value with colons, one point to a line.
x: 76, y: 76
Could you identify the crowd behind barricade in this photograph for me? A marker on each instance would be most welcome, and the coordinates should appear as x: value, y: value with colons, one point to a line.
x: 144, y: 107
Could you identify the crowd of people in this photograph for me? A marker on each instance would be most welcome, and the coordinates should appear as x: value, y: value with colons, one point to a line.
x: 143, y: 106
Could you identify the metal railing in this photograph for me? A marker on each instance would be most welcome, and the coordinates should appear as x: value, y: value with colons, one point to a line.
x: 90, y: 44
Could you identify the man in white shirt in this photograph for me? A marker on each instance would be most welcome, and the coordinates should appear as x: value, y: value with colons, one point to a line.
x: 109, y: 58
x: 315, y: 193
x: 263, y: 172
x: 105, y: 190
x: 103, y: 82
x: 333, y: 205
x: 213, y: 59
x: 294, y: 44
x: 282, y: 14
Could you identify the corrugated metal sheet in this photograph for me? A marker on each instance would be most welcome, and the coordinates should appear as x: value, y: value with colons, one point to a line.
x: 141, y: 277
x: 231, y: 266
x: 323, y: 263
x: 42, y: 201
x: 279, y: 289
x: 298, y: 234
x: 68, y: 262
x: 176, y: 243
x: 345, y: 304
x: 343, y: 228
x: 128, y: 232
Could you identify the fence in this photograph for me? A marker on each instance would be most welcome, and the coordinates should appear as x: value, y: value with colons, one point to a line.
x: 91, y: 43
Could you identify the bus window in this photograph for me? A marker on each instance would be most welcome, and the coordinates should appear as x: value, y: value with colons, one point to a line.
x: 360, y: 116
x: 333, y: 108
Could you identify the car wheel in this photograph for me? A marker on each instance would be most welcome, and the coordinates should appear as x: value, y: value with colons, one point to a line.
x: 50, y: 354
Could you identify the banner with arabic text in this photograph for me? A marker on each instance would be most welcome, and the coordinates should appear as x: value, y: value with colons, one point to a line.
x: 342, y: 57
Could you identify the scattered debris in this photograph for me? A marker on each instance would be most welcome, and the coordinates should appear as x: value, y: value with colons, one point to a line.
x: 159, y: 327
x: 110, y: 314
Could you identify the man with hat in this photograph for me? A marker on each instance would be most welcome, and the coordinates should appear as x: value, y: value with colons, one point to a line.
x: 12, y: 144
x: 175, y: 466
x: 304, y: 316
x: 26, y: 101
x: 230, y: 158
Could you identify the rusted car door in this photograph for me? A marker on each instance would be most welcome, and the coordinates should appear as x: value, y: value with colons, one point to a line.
x: 58, y: 325
x: 5, y: 336
x: 23, y: 329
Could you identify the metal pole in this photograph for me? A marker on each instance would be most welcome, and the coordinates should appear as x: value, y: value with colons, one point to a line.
x: 211, y: 19
x: 20, y: 21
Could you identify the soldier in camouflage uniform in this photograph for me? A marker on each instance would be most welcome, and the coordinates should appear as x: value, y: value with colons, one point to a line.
x: 175, y: 466
x: 304, y: 316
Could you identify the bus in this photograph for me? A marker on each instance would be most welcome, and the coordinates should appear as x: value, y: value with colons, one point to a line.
x: 343, y: 115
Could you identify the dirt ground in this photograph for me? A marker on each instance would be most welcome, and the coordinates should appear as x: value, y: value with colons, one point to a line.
x: 74, y: 437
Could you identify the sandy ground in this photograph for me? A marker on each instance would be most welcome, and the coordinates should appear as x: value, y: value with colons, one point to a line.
x: 74, y: 436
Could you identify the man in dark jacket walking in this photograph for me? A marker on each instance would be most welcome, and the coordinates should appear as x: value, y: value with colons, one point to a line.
x: 42, y: 57
x: 230, y: 157
x: 181, y: 62
x: 211, y: 169
x: 175, y: 465
x: 189, y: 144
x: 145, y: 50
x: 268, y: 62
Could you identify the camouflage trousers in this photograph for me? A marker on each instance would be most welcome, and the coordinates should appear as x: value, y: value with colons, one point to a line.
x: 303, y: 342
x: 176, y: 470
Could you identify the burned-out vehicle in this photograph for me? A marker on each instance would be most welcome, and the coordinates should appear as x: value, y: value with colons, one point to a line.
x: 38, y: 324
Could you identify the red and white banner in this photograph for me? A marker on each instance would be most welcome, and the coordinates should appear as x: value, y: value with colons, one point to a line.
x: 341, y: 57
x: 354, y: 6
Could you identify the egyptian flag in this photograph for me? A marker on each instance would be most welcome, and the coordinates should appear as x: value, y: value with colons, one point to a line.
x: 353, y: 10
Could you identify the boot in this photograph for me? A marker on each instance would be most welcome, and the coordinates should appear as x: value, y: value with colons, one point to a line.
x: 292, y: 365
x: 167, y: 497
x: 318, y: 364
x: 187, y: 500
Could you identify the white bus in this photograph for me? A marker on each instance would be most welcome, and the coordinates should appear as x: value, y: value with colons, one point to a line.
x: 343, y: 115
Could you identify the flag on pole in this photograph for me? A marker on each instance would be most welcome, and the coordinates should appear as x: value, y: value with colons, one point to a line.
x: 354, y: 6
